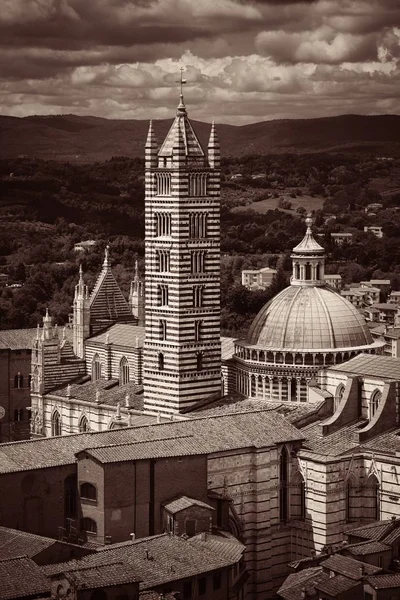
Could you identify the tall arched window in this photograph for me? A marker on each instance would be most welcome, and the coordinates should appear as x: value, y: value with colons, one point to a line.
x: 297, y: 497
x: 339, y: 395
x: 371, y: 508
x: 199, y: 358
x: 19, y: 381
x: 376, y: 397
x: 89, y: 525
x: 56, y: 426
x: 96, y: 368
x: 283, y: 485
x: 308, y: 272
x: 123, y: 371
x: 160, y: 361
x: 83, y: 424
x: 353, y: 510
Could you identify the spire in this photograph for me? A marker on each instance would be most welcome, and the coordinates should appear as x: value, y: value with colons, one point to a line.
x: 106, y: 262
x: 151, y: 148
x: 179, y: 148
x: 181, y: 110
x: 214, y: 152
x: 308, y: 260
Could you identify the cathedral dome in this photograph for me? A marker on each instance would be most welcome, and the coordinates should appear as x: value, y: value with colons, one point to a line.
x: 309, y: 318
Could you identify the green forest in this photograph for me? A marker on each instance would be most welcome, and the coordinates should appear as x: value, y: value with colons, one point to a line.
x: 46, y: 207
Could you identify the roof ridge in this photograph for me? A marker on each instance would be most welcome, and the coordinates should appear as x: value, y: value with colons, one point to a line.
x: 133, y: 442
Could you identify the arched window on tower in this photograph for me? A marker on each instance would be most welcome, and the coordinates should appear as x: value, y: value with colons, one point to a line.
x: 317, y: 271
x: 160, y: 361
x: 123, y: 371
x: 19, y: 381
x: 96, y: 368
x: 199, y: 359
x: 283, y: 485
x: 56, y: 426
x: 374, y: 402
x: 297, y: 271
x: 89, y: 525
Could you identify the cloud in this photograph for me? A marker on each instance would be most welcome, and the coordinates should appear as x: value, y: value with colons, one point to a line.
x: 244, y: 60
x: 323, y: 45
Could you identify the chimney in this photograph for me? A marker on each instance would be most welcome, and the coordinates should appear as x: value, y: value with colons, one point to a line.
x: 132, y: 536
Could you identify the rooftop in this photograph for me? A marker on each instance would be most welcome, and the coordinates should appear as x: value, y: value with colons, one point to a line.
x: 383, y: 367
x: 255, y: 429
x: 160, y: 559
x: 15, y: 543
x: 22, y: 339
x: 108, y: 391
x: 381, y: 582
x: 185, y: 502
x: 105, y: 575
x: 365, y: 548
x: 121, y: 334
x: 20, y: 577
x: 375, y: 531
x: 349, y: 567
x: 306, y: 580
x: 336, y: 585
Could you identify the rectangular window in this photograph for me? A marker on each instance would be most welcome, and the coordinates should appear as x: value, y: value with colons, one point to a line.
x: 163, y: 295
x: 187, y: 590
x: 198, y: 296
x: 163, y: 258
x: 198, y: 225
x: 197, y: 261
x: 202, y: 586
x: 163, y: 184
x: 163, y: 329
x: 163, y: 223
x: 197, y: 330
x: 217, y: 581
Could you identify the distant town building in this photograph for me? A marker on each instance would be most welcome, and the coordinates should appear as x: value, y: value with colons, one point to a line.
x: 341, y: 238
x: 334, y: 280
x: 374, y: 207
x: 391, y: 336
x: 381, y: 312
x: 375, y: 229
x: 85, y: 246
x: 3, y: 279
x: 361, y: 295
x: 394, y: 297
x: 258, y: 279
x: 382, y: 284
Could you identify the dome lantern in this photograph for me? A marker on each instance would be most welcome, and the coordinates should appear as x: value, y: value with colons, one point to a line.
x: 308, y: 260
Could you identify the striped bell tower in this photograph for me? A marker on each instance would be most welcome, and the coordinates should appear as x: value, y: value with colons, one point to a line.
x: 182, y: 352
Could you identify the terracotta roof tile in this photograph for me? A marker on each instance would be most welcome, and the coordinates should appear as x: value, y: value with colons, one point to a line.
x: 120, y: 334
x: 365, y: 548
x: 113, y: 573
x: 373, y: 531
x: 336, y: 585
x: 22, y: 339
x: 380, y: 582
x: 349, y: 567
x: 21, y: 577
x: 307, y: 579
x: 385, y: 367
x: 184, y: 502
x: 155, y: 560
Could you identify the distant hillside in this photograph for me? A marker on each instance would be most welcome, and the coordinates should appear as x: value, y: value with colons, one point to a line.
x: 88, y: 139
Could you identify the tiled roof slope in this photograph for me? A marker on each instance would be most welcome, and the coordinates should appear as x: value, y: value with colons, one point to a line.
x: 367, y: 548
x: 375, y: 531
x: 155, y: 560
x: 121, y: 334
x: 110, y: 392
x: 22, y: 339
x: 306, y: 580
x: 381, y: 582
x: 384, y: 367
x: 192, y: 145
x: 20, y: 578
x: 185, y: 502
x: 336, y: 585
x: 105, y: 575
x: 14, y: 543
x: 216, y: 434
x: 349, y: 567
x: 107, y: 302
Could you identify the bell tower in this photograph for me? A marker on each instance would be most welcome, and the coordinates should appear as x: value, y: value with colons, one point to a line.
x: 182, y: 351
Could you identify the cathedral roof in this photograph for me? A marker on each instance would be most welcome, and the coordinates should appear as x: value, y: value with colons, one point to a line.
x: 107, y: 302
x: 309, y: 318
x: 384, y: 367
x: 192, y: 145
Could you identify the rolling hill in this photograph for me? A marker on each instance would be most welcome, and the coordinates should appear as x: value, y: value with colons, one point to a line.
x: 88, y: 139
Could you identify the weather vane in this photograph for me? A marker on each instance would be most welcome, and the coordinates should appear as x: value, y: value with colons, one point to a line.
x: 181, y: 81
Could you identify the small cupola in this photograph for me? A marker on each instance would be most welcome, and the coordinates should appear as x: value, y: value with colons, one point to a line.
x: 308, y: 260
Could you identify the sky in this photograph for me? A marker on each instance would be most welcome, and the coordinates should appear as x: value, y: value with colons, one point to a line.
x: 244, y: 60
